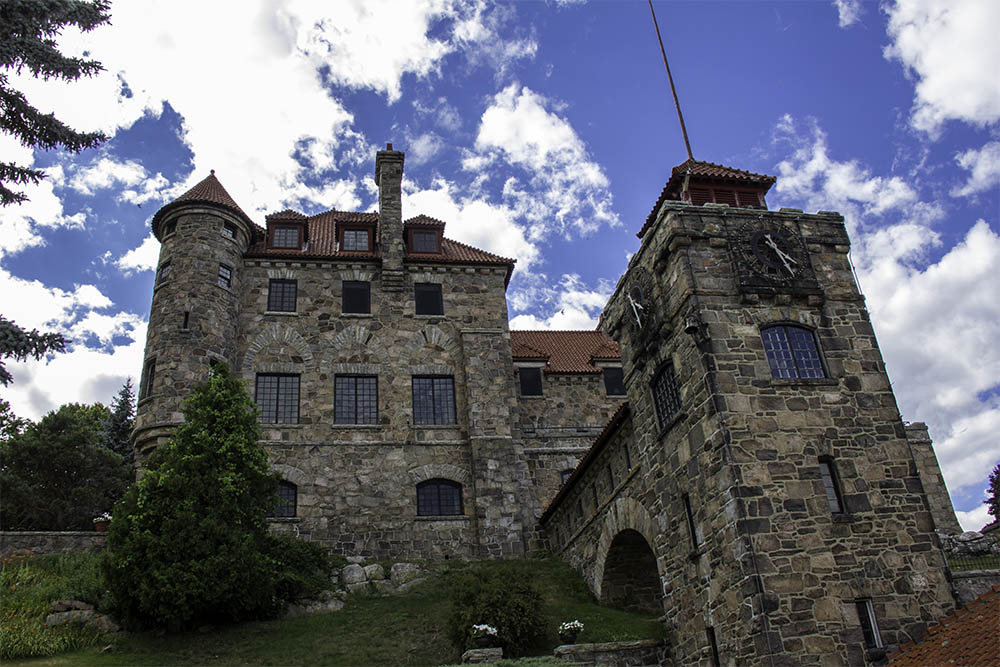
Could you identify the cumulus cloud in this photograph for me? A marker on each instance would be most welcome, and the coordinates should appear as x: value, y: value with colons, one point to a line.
x: 848, y: 12
x: 140, y: 259
x: 562, y: 188
x: 984, y: 169
x: 938, y: 322
x: 975, y: 518
x: 951, y: 49
x: 571, y: 304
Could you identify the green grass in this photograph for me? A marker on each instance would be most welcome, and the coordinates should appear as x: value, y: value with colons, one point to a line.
x: 988, y: 562
x: 407, y: 629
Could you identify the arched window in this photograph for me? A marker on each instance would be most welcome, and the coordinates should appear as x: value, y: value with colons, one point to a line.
x: 439, y: 497
x: 666, y: 395
x: 792, y: 352
x: 288, y: 497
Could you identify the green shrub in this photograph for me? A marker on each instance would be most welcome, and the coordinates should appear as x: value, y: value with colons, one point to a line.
x: 302, y: 568
x: 502, y: 597
x: 188, y: 542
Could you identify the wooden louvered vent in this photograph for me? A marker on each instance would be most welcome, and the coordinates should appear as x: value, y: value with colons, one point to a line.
x: 698, y: 196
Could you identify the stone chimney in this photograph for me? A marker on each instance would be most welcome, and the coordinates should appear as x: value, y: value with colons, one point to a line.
x: 389, y: 178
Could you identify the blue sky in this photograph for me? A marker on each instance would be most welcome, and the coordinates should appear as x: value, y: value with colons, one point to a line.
x: 542, y: 131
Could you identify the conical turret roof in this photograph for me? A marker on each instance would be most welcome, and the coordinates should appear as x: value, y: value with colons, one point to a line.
x: 208, y: 191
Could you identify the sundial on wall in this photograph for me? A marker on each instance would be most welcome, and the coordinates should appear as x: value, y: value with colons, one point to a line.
x: 771, y: 255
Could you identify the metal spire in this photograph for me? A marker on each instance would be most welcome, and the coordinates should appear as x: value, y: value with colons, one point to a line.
x: 673, y: 90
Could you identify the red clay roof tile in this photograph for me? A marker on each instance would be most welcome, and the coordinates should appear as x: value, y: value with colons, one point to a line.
x: 208, y: 191
x: 566, y: 351
x: 968, y: 637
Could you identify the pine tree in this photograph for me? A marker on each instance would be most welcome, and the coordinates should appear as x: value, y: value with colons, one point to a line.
x: 28, y: 31
x: 19, y: 344
x: 11, y: 425
x: 120, y: 423
x: 993, y: 497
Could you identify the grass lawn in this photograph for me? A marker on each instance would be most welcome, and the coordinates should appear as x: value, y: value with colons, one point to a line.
x: 409, y: 629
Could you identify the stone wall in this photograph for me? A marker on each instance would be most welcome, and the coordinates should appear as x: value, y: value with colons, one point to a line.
x: 931, y: 479
x: 970, y: 585
x: 619, y: 654
x: 52, y: 542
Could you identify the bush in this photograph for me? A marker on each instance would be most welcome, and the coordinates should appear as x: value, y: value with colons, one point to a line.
x: 302, y: 568
x: 502, y: 597
x: 188, y: 542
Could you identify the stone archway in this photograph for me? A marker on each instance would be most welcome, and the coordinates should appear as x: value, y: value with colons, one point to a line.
x: 631, y: 580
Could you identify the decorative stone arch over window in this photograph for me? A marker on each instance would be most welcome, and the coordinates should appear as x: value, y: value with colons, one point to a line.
x: 624, y: 513
x: 427, y: 277
x: 282, y: 273
x: 780, y: 315
x: 433, y: 337
x: 440, y: 471
x: 281, y: 334
x: 361, y: 275
x: 432, y: 369
x: 291, y: 474
x: 355, y: 336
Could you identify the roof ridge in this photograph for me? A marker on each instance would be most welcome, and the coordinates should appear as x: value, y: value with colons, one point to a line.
x: 485, y: 252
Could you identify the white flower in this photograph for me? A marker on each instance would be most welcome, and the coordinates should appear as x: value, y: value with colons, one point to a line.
x: 571, y: 626
x: 480, y: 630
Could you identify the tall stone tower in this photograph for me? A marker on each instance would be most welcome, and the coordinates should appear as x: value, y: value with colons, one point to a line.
x: 195, y: 312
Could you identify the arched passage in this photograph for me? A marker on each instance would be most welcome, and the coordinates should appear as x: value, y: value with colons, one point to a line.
x: 630, y: 579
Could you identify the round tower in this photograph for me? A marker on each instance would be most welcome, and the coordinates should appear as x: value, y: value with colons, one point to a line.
x: 193, y: 320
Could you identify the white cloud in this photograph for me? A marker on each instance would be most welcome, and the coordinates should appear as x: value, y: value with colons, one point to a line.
x: 975, y: 518
x: 423, y: 148
x: 571, y: 304
x: 938, y: 322
x: 104, y: 173
x: 952, y: 49
x: 984, y: 168
x: 143, y: 258
x: 848, y: 12
x: 564, y: 189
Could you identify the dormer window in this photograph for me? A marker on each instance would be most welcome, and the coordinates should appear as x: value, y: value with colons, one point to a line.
x: 356, y: 239
x: 425, y: 240
x: 286, y: 236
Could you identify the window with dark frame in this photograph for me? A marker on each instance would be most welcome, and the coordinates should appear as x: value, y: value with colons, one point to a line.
x: 428, y: 298
x: 690, y: 520
x: 423, y: 241
x: 355, y: 239
x: 565, y: 475
x: 357, y: 297
x: 355, y: 399
x: 282, y: 295
x: 169, y: 228
x: 229, y: 230
x: 614, y: 380
x: 163, y: 273
x: 714, y: 645
x: 593, y: 489
x: 287, y: 503
x: 285, y: 236
x: 187, y: 319
x: 277, y: 397
x: 439, y: 497
x: 225, y: 276
x: 531, y: 381
x: 149, y: 375
x: 611, y: 477
x: 869, y: 624
x: 792, y: 352
x: 831, y: 484
x: 666, y: 395
x: 628, y: 458
x: 433, y: 400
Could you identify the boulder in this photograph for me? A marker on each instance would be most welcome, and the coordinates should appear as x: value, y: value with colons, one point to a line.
x: 403, y: 573
x: 69, y: 605
x: 383, y: 587
x: 353, y: 574
x: 374, y: 571
x: 359, y: 587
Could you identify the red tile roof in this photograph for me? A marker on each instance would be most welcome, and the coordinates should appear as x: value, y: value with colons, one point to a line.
x: 610, y: 428
x: 424, y: 221
x: 208, y: 191
x: 566, y: 351
x: 969, y: 636
x: 704, y: 171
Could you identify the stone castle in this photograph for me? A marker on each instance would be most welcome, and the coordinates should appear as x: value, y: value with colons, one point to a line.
x: 726, y: 449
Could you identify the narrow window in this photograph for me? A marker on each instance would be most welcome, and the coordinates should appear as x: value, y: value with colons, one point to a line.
x: 286, y: 236
x: 565, y: 475
x: 579, y: 510
x: 428, y: 299
x: 869, y: 624
x: 149, y: 375
x: 355, y: 399
x: 593, y: 489
x: 439, y: 497
x: 169, y: 228
x: 225, y: 276
x: 531, y: 381
x: 690, y: 518
x: 792, y: 352
x: 355, y: 239
x: 357, y: 296
x: 831, y: 484
x: 666, y: 395
x: 611, y: 477
x: 229, y: 230
x: 628, y: 459
x: 282, y: 295
x: 277, y: 396
x: 423, y: 241
x: 287, y: 502
x: 163, y: 273
x: 710, y: 633
x: 433, y: 400
x: 187, y: 319
x: 614, y: 381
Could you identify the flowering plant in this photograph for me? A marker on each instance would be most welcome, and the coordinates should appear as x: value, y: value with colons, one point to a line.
x: 571, y: 626
x: 102, y: 517
x: 483, y: 630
